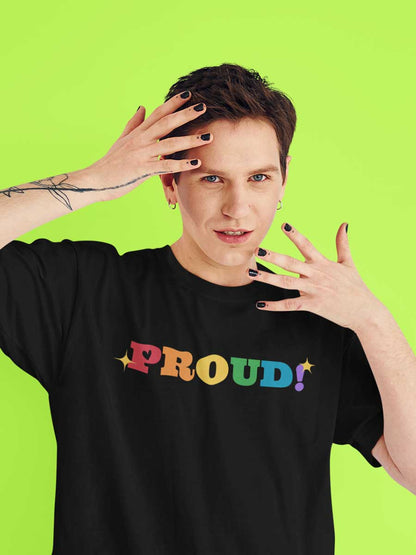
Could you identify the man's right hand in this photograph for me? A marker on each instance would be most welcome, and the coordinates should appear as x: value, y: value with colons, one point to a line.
x: 134, y: 157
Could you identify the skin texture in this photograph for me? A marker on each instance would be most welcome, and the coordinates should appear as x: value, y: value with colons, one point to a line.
x: 235, y: 196
x: 56, y: 184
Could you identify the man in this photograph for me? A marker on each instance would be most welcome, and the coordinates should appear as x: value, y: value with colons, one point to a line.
x: 188, y: 419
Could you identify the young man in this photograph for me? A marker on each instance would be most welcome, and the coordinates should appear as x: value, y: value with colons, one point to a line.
x: 187, y: 420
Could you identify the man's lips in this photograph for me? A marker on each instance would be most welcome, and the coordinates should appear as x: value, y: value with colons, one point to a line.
x: 231, y: 229
x: 239, y: 238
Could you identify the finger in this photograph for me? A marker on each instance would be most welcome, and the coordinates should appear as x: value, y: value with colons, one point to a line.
x: 177, y: 144
x: 287, y: 263
x: 289, y: 304
x: 343, y: 247
x: 285, y: 282
x: 175, y: 166
x: 165, y: 125
x: 309, y: 251
x: 166, y: 108
x: 134, y: 121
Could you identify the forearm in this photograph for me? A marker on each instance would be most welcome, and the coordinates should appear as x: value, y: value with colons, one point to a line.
x: 394, y: 367
x: 27, y: 206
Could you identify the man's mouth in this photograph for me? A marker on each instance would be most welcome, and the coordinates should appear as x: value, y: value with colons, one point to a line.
x: 233, y: 236
x: 233, y: 231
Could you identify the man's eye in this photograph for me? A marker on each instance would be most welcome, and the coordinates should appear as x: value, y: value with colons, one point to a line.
x: 266, y: 176
x: 256, y: 174
x: 206, y: 177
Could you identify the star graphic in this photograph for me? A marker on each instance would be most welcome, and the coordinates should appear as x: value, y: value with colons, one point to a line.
x: 125, y: 360
x: 307, y: 366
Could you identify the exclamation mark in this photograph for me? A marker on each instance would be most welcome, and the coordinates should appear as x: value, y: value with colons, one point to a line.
x: 299, y: 377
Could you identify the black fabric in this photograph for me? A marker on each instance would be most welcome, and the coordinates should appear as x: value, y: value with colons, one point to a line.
x: 180, y: 423
x: 38, y: 288
x: 360, y: 414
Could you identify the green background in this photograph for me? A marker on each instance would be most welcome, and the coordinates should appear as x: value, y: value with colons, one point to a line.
x: 73, y: 73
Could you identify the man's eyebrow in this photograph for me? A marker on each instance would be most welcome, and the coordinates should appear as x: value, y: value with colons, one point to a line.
x: 202, y: 169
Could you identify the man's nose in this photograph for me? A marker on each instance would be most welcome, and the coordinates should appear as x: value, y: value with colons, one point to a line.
x: 236, y: 203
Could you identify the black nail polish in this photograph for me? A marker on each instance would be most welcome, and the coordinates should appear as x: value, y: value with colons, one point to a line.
x: 206, y: 136
x: 194, y: 162
x: 185, y: 94
x: 138, y: 108
x: 346, y: 229
x: 288, y: 227
x: 262, y: 252
x: 252, y: 272
x: 199, y: 107
x: 260, y: 304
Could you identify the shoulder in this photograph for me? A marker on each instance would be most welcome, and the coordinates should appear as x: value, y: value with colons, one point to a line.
x: 102, y: 258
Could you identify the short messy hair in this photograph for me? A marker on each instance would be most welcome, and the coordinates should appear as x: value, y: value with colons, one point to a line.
x: 232, y: 92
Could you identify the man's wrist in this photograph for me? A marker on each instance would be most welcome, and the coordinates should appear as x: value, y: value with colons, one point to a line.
x: 88, y: 184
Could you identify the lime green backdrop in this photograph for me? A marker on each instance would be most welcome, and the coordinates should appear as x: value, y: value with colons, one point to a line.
x: 74, y: 72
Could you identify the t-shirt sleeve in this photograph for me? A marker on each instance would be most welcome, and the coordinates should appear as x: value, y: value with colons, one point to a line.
x: 38, y: 286
x: 359, y: 420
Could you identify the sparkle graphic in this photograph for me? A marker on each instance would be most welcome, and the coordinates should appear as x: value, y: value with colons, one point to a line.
x: 124, y: 360
x: 307, y: 366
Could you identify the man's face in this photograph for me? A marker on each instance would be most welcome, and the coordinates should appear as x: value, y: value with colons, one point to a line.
x: 234, y: 187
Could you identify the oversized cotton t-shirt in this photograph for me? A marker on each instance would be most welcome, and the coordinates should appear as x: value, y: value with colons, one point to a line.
x: 187, y: 420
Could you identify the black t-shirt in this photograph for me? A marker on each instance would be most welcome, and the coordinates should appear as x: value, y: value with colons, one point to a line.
x: 187, y: 420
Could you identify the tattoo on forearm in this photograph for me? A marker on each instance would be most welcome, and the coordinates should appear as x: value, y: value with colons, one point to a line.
x: 56, y: 189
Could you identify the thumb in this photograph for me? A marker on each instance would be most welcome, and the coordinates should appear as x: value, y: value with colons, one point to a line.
x: 135, y: 121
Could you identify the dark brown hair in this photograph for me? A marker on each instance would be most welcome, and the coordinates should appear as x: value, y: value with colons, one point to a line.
x: 232, y: 92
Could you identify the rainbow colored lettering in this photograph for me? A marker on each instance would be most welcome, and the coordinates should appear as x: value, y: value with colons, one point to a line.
x: 179, y: 365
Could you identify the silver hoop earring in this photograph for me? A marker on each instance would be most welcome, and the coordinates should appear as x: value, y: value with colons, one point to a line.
x: 173, y: 206
x: 281, y: 205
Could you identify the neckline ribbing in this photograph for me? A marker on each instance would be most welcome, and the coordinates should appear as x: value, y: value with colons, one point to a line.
x: 253, y: 290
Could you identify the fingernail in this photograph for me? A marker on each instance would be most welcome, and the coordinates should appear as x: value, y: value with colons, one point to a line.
x: 199, y: 107
x: 194, y: 162
x: 346, y: 229
x: 252, y: 272
x: 206, y: 136
x: 262, y: 252
x: 138, y: 108
x: 185, y: 94
x: 288, y: 227
x: 260, y: 304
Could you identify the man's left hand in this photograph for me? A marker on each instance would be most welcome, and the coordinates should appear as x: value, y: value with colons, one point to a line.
x: 333, y: 290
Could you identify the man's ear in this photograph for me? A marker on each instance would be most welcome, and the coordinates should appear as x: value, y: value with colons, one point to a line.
x: 167, y: 180
x: 288, y: 159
